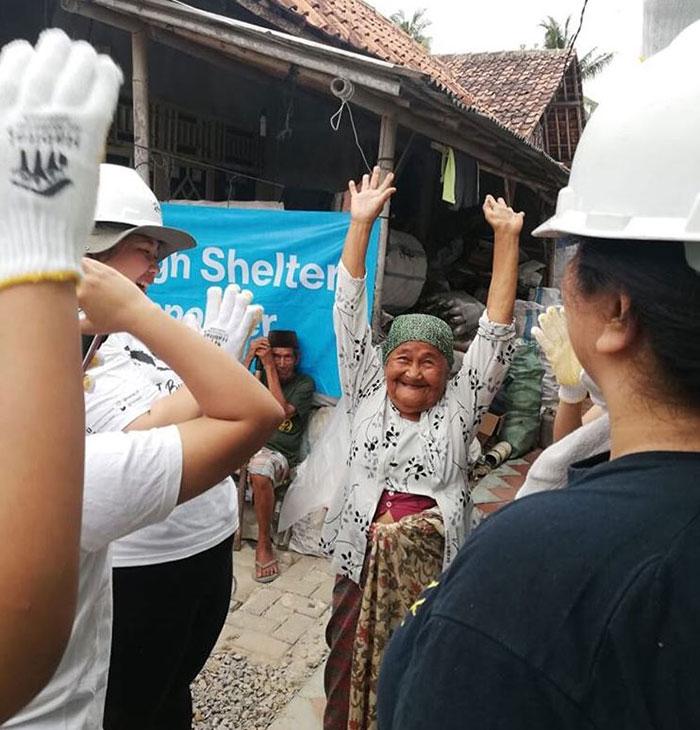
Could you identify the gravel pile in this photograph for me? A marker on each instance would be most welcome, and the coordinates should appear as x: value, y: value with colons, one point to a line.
x: 233, y: 693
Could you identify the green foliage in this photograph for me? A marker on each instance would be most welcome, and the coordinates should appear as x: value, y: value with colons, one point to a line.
x: 557, y: 35
x: 415, y: 26
x: 593, y: 62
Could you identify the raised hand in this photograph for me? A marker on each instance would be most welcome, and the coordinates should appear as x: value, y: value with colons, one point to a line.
x: 553, y: 337
x: 190, y: 320
x: 367, y: 201
x: 56, y: 104
x: 263, y: 351
x: 506, y: 224
x: 230, y: 318
x: 501, y: 217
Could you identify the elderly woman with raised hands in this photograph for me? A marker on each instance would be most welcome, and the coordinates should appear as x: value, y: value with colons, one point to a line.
x: 404, y: 509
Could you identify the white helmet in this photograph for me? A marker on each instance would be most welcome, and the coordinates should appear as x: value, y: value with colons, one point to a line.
x: 636, y: 172
x: 126, y: 205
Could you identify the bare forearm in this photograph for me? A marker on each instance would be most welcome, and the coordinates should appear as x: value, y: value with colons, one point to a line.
x: 275, y: 387
x: 355, y: 248
x: 595, y: 411
x: 174, y: 408
x: 42, y: 436
x: 504, y: 278
x: 220, y: 385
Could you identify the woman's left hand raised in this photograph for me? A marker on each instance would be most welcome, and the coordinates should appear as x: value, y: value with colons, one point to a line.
x: 367, y: 201
x: 501, y: 217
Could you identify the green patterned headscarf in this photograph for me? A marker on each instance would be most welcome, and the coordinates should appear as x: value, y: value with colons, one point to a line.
x: 420, y: 328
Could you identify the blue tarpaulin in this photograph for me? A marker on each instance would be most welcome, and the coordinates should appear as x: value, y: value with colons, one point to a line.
x: 288, y: 259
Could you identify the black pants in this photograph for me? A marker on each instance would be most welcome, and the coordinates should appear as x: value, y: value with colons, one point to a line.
x: 167, y: 618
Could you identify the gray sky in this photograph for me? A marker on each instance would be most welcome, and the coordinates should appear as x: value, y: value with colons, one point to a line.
x: 460, y: 26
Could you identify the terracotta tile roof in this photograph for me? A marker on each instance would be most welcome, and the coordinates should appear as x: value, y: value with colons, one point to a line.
x: 515, y: 86
x: 359, y: 26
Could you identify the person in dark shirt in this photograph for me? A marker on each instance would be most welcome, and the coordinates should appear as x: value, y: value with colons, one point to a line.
x: 580, y: 608
x: 570, y: 609
x: 278, y: 356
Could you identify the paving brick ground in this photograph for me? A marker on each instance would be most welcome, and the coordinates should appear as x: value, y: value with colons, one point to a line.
x: 271, y: 643
x: 500, y: 486
x: 267, y: 622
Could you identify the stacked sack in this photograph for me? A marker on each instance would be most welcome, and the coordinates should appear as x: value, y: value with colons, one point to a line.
x: 460, y: 310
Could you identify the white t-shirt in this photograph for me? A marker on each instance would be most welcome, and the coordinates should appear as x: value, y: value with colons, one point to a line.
x: 116, y: 393
x: 131, y: 480
x: 123, y: 384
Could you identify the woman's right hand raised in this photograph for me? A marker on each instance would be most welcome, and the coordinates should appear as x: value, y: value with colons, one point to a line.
x: 366, y: 203
x: 501, y: 217
x: 110, y: 302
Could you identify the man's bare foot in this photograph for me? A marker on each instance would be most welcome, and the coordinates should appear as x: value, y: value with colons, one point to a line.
x: 266, y: 566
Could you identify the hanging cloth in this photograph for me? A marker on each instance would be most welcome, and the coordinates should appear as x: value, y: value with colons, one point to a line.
x: 448, y: 175
x: 466, y: 185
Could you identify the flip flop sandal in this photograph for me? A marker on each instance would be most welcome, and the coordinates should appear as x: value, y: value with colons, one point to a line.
x: 264, y: 566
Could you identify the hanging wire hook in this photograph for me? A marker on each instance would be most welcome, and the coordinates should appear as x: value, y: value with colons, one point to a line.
x: 344, y: 90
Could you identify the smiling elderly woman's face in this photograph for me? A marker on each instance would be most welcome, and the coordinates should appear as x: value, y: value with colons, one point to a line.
x: 416, y: 375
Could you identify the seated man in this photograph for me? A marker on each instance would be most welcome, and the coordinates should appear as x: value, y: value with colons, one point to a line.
x: 277, y: 356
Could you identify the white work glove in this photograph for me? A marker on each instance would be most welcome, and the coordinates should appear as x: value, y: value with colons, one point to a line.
x: 56, y: 105
x: 190, y: 320
x: 553, y: 337
x: 230, y: 318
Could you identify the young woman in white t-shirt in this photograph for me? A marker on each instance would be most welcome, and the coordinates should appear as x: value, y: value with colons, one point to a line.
x: 129, y: 389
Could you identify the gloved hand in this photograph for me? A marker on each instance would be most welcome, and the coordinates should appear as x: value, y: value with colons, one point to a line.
x: 229, y: 318
x: 553, y: 337
x: 56, y: 104
x: 190, y: 320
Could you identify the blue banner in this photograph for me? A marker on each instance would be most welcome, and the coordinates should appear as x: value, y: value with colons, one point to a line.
x: 288, y: 259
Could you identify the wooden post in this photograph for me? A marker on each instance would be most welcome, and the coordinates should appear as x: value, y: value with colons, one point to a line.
x: 385, y: 160
x: 139, y: 85
x: 509, y: 188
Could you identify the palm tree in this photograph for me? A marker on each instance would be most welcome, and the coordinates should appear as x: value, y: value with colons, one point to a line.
x: 557, y: 36
x: 414, y: 27
x: 554, y: 35
x: 593, y: 62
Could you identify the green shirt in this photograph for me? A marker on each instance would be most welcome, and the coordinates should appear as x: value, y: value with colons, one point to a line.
x: 298, y: 392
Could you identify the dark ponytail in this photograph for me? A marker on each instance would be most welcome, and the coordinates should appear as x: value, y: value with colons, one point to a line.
x: 665, y: 296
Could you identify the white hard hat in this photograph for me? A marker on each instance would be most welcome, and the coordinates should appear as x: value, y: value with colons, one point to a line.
x: 126, y: 205
x: 636, y: 172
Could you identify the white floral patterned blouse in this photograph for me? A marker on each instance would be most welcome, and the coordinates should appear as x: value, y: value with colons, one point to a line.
x: 428, y: 457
